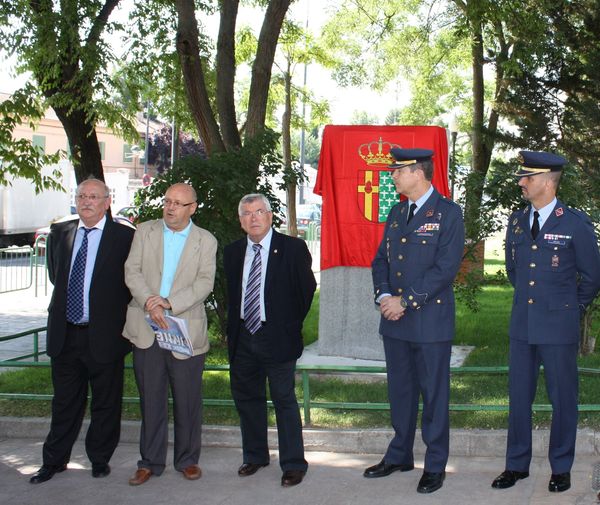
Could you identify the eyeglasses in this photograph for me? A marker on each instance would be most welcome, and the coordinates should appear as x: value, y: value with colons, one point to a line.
x: 175, y: 204
x: 256, y: 213
x: 91, y: 198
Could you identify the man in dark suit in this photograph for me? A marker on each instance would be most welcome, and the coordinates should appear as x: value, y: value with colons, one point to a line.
x: 553, y: 262
x: 84, y: 338
x: 413, y: 272
x: 270, y: 289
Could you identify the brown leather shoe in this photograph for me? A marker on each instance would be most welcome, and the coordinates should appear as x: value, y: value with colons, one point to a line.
x: 192, y: 472
x: 140, y: 476
x: 292, y: 477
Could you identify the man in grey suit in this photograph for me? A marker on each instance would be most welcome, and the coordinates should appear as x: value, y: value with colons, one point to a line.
x: 171, y: 267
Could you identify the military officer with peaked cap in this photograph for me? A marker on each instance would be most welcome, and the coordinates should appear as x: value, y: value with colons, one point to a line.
x: 553, y: 262
x: 413, y: 272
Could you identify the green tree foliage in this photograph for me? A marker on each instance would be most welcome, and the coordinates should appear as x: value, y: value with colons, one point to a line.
x: 64, y: 47
x: 20, y: 158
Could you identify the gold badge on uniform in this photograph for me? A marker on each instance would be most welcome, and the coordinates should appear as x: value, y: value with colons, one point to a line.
x: 518, y: 230
x: 429, y: 213
x: 515, y: 221
x: 559, y: 212
x: 555, y: 261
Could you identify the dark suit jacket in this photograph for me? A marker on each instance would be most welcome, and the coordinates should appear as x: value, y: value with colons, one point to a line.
x: 108, y: 297
x: 289, y: 288
x: 554, y: 276
x: 419, y: 260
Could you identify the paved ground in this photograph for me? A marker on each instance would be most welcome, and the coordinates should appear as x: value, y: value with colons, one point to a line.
x: 332, y: 479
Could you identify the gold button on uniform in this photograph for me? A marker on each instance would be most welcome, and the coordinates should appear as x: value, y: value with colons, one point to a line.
x: 439, y: 301
x: 399, y: 290
x: 424, y: 242
x: 403, y: 240
x: 415, y: 304
x: 534, y: 247
x: 530, y: 301
x: 532, y: 265
x: 400, y: 257
x: 532, y: 283
x: 398, y: 274
x: 410, y: 297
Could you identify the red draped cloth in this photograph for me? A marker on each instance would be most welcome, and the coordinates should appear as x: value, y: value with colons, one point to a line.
x: 357, y: 189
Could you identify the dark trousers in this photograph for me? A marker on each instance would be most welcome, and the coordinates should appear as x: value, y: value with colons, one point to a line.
x: 560, y: 370
x: 156, y: 370
x: 72, y: 371
x: 249, y: 371
x: 414, y: 370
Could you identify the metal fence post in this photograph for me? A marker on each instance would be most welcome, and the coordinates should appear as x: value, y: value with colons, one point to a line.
x: 306, y: 396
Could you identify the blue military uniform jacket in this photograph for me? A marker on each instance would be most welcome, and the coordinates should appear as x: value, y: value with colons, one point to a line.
x: 419, y: 261
x: 554, y: 276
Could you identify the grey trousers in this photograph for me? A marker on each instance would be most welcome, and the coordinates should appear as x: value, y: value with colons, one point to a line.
x: 156, y: 370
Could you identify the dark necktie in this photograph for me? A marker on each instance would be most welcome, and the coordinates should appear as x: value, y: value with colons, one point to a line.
x: 411, y: 212
x: 535, y: 227
x: 252, y: 299
x: 76, y: 282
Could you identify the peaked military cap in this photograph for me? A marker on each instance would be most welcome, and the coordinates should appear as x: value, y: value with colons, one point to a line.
x: 539, y: 162
x: 405, y: 157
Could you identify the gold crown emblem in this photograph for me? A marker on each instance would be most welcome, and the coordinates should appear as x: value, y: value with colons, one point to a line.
x: 377, y: 152
x: 520, y: 159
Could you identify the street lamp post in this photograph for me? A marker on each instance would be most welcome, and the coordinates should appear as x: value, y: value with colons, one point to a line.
x: 453, y: 127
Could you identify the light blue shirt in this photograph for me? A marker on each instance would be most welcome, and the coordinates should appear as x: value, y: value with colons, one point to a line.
x: 94, y: 237
x: 264, y: 258
x: 421, y: 201
x: 173, y: 244
x: 544, y: 213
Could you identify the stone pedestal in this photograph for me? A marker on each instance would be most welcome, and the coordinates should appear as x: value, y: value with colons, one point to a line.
x: 349, y: 320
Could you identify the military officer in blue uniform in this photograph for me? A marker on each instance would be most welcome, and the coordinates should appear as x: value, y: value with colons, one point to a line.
x: 553, y: 262
x: 413, y: 272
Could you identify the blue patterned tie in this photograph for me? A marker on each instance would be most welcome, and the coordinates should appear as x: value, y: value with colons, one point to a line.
x: 76, y: 282
x: 252, y: 299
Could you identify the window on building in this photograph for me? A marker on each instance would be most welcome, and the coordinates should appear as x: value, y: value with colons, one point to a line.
x: 39, y: 141
x: 102, y: 146
x: 127, y: 154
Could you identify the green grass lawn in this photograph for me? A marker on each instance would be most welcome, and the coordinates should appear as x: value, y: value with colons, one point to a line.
x: 485, y: 329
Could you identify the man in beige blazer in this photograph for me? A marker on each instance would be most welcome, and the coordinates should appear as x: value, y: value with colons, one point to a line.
x: 171, y: 267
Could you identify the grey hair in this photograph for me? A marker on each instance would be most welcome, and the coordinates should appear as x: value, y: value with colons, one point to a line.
x: 252, y: 197
x: 91, y: 178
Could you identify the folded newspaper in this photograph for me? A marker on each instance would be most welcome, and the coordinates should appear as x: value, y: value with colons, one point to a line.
x: 175, y: 338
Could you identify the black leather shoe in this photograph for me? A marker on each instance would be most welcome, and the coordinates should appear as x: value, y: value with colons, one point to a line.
x: 508, y: 478
x: 250, y: 468
x: 382, y: 469
x: 46, y: 472
x: 292, y: 477
x: 431, y: 482
x: 559, y: 482
x: 100, y: 470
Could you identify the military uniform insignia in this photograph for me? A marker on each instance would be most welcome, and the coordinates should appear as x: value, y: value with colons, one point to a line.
x: 439, y: 216
x: 555, y: 261
x: 559, y: 212
x: 515, y: 221
x: 556, y: 239
x: 402, y: 210
x: 427, y: 229
x: 429, y: 213
x: 518, y: 230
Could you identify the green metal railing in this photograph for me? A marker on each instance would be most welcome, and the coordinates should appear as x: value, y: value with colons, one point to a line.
x: 305, y: 371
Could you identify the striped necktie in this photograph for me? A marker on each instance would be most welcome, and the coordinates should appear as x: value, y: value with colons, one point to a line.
x: 252, y: 299
x: 76, y: 281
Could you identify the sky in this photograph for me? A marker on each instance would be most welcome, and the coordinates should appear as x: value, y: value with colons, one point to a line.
x: 343, y: 101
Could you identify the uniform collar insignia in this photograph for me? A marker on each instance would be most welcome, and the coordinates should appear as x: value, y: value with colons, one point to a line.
x: 559, y: 212
x: 429, y: 213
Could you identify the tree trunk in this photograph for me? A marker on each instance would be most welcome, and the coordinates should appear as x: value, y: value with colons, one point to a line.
x: 286, y: 142
x: 188, y: 48
x: 83, y: 143
x: 226, y: 74
x: 263, y: 63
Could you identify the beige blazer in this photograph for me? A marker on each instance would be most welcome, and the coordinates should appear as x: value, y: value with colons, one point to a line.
x: 194, y: 279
